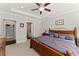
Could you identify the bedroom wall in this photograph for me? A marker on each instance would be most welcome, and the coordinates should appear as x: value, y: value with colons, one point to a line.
x: 1, y: 26
x: 21, y: 33
x: 71, y: 20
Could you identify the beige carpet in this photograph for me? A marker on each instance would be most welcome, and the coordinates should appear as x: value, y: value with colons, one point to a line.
x: 21, y: 49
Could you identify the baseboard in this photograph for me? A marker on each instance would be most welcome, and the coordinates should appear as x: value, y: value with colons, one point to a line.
x: 20, y: 41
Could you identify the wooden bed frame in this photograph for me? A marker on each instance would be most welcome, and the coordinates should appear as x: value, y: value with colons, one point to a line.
x: 45, y: 50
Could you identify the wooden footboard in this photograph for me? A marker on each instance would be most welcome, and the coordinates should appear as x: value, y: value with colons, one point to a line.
x: 43, y: 49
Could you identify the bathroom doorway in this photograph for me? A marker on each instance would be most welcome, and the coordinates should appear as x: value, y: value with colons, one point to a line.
x: 10, y: 28
x: 29, y: 32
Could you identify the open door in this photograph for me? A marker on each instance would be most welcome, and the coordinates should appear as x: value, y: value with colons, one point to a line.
x: 29, y: 30
x: 10, y: 28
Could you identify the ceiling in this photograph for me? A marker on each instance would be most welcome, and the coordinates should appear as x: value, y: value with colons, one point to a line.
x: 56, y: 8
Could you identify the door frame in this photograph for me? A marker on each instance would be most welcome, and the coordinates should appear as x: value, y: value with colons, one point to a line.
x: 31, y: 29
x: 5, y: 27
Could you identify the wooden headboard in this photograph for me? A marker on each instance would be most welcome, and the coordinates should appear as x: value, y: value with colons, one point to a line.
x: 73, y: 32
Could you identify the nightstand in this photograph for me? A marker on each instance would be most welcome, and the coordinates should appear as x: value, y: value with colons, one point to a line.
x: 44, y: 34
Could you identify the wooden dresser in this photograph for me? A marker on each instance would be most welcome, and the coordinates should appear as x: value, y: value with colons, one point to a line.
x: 2, y: 46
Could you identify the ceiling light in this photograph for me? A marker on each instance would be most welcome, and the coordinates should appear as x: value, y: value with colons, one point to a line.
x: 41, y: 8
x: 22, y: 7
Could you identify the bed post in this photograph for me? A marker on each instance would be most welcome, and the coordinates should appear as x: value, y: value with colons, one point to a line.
x: 31, y: 43
x: 68, y: 53
x: 75, y: 35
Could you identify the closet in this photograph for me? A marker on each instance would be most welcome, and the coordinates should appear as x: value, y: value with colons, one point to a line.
x: 9, y: 29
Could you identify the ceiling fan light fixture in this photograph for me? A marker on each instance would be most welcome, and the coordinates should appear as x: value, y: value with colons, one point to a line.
x: 41, y: 8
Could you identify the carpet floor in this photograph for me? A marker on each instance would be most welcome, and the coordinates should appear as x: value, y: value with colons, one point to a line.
x: 21, y: 49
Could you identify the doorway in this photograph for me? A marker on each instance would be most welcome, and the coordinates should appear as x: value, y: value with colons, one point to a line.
x: 10, y: 27
x: 29, y: 34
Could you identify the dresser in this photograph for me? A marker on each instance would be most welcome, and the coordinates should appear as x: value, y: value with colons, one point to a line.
x: 2, y: 46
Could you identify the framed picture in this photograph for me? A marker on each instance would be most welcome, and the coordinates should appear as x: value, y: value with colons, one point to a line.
x: 59, y: 22
x: 21, y: 24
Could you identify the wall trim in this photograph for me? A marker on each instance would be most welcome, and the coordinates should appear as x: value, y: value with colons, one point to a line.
x: 21, y: 41
x: 24, y: 13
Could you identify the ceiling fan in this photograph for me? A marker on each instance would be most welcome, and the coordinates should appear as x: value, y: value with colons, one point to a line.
x: 42, y: 7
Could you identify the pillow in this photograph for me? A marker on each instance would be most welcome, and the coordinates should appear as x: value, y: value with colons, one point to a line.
x: 55, y: 35
x: 51, y: 35
x: 69, y: 37
x: 61, y: 36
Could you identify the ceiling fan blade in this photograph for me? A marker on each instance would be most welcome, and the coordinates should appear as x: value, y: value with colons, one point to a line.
x: 34, y: 9
x: 40, y: 12
x: 46, y: 4
x: 47, y: 10
x: 38, y: 4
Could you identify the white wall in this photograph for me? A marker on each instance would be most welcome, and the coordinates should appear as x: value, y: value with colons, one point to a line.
x: 71, y: 20
x: 21, y: 32
x: 1, y: 26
